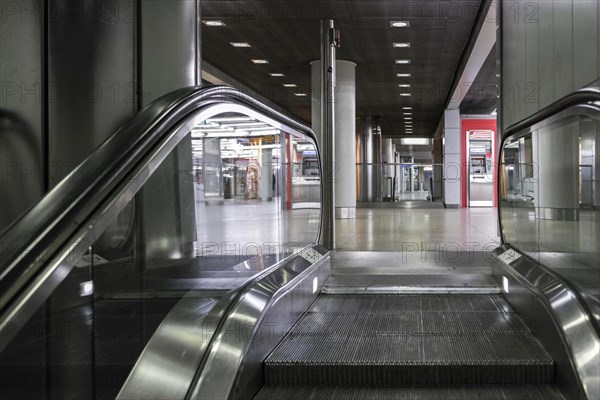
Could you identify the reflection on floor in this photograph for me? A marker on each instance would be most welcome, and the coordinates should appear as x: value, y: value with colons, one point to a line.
x: 395, y: 229
x: 420, y: 195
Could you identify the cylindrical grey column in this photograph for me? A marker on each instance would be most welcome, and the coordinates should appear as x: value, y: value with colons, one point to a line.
x: 388, y: 171
x: 556, y: 158
x: 345, y: 133
x: 377, y: 158
x: 266, y: 175
x: 365, y: 157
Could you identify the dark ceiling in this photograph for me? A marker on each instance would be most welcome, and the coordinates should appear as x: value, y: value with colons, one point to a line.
x: 287, y: 34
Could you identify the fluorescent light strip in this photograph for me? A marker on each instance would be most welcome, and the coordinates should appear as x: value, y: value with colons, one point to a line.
x: 229, y: 119
x: 244, y: 124
x: 300, y: 94
x: 276, y: 74
x: 399, y: 24
x: 404, y: 85
x: 414, y: 141
x: 401, y: 45
x: 402, y: 61
x: 290, y: 85
x: 403, y: 75
x: 214, y: 23
x: 240, y: 44
x: 259, y: 61
x: 405, y: 94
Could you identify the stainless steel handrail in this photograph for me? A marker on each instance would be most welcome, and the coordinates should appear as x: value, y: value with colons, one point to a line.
x: 36, y: 237
x: 579, y: 97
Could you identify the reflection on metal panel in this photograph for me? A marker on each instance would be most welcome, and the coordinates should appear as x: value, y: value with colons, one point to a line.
x: 91, y: 88
x: 21, y: 111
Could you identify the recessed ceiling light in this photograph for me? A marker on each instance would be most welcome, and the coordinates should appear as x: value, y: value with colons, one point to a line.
x: 399, y: 24
x: 300, y: 94
x: 402, y: 61
x: 259, y: 61
x: 214, y: 22
x: 403, y: 75
x: 240, y: 44
x: 276, y: 74
x: 404, y: 85
x: 290, y: 85
x: 407, y: 118
x: 401, y: 44
x: 407, y: 113
x: 405, y: 94
x: 407, y: 108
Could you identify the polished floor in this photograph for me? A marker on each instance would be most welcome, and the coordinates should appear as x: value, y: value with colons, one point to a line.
x: 395, y: 229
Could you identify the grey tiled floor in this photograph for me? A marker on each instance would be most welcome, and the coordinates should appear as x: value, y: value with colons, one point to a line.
x: 394, y: 229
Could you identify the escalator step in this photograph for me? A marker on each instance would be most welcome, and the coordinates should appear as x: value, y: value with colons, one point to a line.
x: 399, y: 359
x: 525, y: 392
x: 404, y: 340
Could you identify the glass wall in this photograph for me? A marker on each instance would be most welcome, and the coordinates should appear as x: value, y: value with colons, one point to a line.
x: 550, y: 197
x: 234, y: 197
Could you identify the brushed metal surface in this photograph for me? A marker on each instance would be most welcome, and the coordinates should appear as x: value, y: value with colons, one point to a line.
x: 327, y: 95
x: 412, y: 284
x: 168, y: 41
x: 566, y: 313
x: 171, y: 357
x: 245, y: 337
x: 91, y: 85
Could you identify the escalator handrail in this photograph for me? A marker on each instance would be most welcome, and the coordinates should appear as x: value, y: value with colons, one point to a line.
x: 579, y: 97
x: 34, y: 238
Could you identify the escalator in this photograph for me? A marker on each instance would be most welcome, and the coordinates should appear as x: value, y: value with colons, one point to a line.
x: 410, y: 347
x: 143, y: 280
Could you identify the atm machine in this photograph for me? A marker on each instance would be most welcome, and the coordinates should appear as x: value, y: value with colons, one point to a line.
x: 480, y: 150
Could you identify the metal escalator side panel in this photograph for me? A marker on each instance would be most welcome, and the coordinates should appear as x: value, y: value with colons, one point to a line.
x: 264, y: 312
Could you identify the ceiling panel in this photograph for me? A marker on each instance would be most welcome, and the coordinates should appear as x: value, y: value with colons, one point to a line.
x: 287, y: 33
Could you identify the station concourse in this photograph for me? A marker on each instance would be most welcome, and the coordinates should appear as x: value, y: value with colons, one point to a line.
x: 337, y: 199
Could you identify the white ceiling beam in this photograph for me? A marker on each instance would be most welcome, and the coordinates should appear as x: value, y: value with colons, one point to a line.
x: 483, y: 45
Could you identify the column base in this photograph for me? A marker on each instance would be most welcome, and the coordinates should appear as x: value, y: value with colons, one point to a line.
x: 557, y: 214
x: 345, y: 212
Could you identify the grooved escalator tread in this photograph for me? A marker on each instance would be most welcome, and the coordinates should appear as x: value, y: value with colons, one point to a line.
x: 407, y: 340
x: 521, y: 392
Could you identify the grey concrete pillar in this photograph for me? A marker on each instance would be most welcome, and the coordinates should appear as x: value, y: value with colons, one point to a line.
x: 365, y: 188
x: 452, y: 159
x: 556, y: 160
x: 266, y: 175
x: 388, y: 172
x: 345, y: 134
x: 377, y: 158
